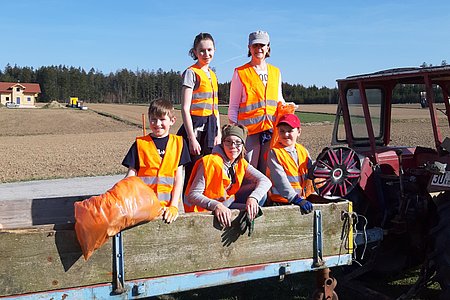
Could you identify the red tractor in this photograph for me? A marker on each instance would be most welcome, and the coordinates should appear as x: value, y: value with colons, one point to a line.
x: 401, y: 194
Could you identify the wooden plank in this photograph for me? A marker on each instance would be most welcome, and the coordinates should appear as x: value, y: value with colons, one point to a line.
x: 48, y: 257
x: 39, y: 211
x: 196, y: 243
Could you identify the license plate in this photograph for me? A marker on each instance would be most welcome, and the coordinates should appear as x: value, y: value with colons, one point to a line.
x: 441, y: 179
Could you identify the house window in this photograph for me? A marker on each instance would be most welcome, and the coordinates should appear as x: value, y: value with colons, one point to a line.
x: 29, y: 99
x: 7, y: 98
x: 18, y: 89
x: 18, y: 100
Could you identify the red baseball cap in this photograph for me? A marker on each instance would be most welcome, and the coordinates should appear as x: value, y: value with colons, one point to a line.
x: 290, y: 119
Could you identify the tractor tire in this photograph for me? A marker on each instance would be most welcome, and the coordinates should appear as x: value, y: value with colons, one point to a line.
x: 439, y: 258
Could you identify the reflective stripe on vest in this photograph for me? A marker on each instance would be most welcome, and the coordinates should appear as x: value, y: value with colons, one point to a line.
x: 258, y: 112
x: 204, y: 106
x: 204, y: 98
x: 296, y: 172
x: 159, y: 173
x: 157, y: 180
x: 216, y: 180
x: 257, y: 120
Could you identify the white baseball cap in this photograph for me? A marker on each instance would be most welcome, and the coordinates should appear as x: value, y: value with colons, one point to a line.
x: 258, y: 37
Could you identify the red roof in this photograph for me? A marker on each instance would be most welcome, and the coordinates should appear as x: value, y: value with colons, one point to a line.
x: 32, y: 88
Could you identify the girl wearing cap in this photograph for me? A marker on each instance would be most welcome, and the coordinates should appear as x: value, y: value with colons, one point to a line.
x: 217, y: 180
x: 288, y: 166
x: 254, y: 94
x: 199, y: 102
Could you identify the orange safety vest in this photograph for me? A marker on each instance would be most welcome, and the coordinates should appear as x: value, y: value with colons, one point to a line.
x: 159, y: 173
x: 216, y: 180
x: 259, y: 111
x: 296, y: 172
x: 205, y: 101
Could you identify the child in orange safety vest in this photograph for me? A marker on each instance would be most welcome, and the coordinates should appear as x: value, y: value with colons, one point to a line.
x: 288, y: 165
x: 199, y: 102
x: 224, y: 180
x: 158, y: 158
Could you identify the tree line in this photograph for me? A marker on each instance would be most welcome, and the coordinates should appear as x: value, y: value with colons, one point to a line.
x: 141, y: 86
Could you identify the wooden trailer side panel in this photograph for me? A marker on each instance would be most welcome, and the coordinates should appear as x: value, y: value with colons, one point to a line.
x: 40, y: 211
x: 195, y: 243
x: 44, y: 258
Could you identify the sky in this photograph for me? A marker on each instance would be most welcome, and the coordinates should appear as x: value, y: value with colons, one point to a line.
x: 312, y: 42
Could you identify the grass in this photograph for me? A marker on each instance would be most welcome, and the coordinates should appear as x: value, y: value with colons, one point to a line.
x: 305, y: 117
x: 396, y: 285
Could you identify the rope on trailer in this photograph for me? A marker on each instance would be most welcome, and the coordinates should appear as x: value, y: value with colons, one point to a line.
x: 347, y: 217
x: 364, y: 235
x: 351, y: 220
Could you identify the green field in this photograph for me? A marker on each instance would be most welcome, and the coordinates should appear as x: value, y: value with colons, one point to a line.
x: 305, y: 117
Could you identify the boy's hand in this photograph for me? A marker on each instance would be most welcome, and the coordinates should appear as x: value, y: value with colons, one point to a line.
x: 223, y: 215
x: 170, y: 214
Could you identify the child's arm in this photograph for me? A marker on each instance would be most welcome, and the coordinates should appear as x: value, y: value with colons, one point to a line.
x: 131, y: 172
x: 171, y: 213
x: 186, y: 100
x: 218, y: 138
x: 259, y: 192
x: 195, y: 195
x: 284, y: 188
x: 279, y: 178
x: 177, y: 187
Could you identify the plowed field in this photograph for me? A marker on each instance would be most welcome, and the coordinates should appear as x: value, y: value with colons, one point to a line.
x: 63, y: 143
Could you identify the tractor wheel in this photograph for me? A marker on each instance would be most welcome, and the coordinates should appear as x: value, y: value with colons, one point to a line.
x: 336, y: 172
x: 439, y: 258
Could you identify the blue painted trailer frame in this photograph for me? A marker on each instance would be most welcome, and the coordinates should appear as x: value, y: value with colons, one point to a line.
x: 137, y: 289
x: 119, y: 288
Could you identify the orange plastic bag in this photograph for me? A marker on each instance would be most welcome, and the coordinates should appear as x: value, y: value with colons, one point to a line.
x: 282, y: 109
x: 129, y: 202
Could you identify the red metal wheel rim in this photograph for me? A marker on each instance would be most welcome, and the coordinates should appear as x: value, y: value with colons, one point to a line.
x: 336, y: 172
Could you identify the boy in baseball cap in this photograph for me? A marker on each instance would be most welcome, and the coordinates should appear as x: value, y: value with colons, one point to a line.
x: 288, y: 166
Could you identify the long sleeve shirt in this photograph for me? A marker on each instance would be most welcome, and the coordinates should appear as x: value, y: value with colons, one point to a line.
x: 196, y: 196
x: 278, y: 174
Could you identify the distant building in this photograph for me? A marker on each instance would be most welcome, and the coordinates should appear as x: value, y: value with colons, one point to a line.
x: 18, y: 93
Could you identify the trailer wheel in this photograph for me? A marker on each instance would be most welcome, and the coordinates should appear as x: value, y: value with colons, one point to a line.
x: 321, y: 296
x: 439, y: 258
x: 336, y: 172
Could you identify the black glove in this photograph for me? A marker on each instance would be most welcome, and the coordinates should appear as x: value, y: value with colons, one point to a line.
x: 246, y: 223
